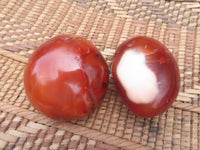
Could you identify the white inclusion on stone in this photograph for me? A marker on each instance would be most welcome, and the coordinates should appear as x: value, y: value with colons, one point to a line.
x: 138, y: 80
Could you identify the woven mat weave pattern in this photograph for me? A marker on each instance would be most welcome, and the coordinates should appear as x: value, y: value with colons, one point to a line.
x: 25, y: 24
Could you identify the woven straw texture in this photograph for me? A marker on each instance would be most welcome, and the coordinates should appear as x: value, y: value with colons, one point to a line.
x: 25, y: 24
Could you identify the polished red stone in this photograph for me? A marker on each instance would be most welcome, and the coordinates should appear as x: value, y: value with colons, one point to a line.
x: 66, y: 78
x: 162, y: 63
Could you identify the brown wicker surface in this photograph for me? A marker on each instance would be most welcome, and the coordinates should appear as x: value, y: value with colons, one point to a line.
x: 25, y: 24
x: 187, y: 0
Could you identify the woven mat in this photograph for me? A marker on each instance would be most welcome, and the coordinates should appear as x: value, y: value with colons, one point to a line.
x: 25, y: 24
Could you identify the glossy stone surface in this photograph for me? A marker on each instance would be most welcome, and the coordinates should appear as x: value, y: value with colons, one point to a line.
x: 146, y: 76
x: 66, y: 78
